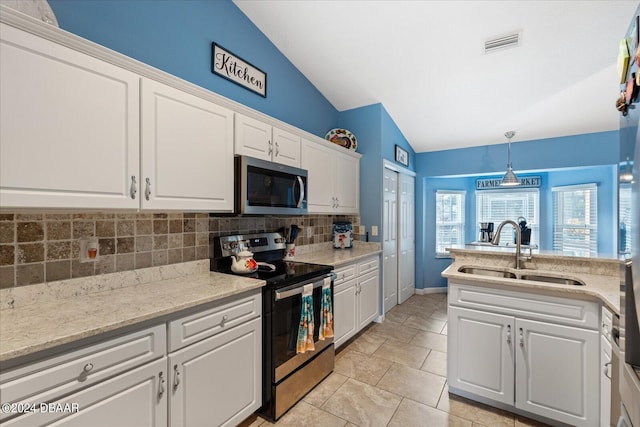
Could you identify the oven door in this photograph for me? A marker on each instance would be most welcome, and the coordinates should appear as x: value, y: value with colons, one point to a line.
x: 265, y: 187
x: 287, y: 309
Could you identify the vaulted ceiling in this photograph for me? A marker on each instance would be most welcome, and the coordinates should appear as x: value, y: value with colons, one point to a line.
x: 425, y: 62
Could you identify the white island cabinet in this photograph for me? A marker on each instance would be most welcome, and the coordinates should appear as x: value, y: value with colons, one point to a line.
x: 537, y: 353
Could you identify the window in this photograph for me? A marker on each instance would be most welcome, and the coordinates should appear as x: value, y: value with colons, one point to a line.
x: 449, y: 220
x: 575, y: 218
x: 625, y: 219
x: 499, y: 205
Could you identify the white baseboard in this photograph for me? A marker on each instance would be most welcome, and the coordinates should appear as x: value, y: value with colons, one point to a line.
x: 424, y: 291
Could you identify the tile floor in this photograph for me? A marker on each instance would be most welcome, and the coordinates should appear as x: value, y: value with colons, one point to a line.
x: 394, y: 374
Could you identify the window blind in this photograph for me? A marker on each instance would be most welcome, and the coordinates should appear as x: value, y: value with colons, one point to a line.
x: 449, y: 220
x: 625, y: 218
x: 499, y: 205
x: 575, y: 218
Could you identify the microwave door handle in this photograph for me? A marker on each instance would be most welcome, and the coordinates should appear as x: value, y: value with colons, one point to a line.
x: 301, y: 184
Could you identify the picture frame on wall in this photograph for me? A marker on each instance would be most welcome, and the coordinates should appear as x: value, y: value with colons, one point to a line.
x: 402, y: 156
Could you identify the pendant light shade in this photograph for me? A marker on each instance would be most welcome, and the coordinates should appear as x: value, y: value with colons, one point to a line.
x: 626, y: 175
x: 510, y: 179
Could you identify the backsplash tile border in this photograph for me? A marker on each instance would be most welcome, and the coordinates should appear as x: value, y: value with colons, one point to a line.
x: 37, y: 247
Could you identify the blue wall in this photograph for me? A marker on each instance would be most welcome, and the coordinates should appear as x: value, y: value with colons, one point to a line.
x: 377, y: 136
x: 175, y: 36
x: 559, y: 161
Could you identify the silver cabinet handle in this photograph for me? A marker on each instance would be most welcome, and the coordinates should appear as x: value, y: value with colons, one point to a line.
x: 277, y: 149
x: 606, y: 370
x: 521, y: 338
x: 224, y: 320
x: 147, y: 190
x: 160, y: 384
x: 134, y: 187
x: 508, y: 334
x: 270, y: 147
x: 337, y: 202
x: 88, y: 367
x: 176, y: 377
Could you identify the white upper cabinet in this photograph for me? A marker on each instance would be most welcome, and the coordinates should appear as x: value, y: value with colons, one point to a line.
x: 69, y: 134
x: 334, y: 179
x: 257, y: 139
x: 187, y: 151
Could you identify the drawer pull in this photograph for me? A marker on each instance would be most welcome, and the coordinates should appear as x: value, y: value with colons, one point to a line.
x: 606, y: 370
x: 176, y: 377
x: 88, y: 367
x: 224, y: 320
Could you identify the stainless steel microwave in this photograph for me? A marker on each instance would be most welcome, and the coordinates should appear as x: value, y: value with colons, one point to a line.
x: 268, y: 188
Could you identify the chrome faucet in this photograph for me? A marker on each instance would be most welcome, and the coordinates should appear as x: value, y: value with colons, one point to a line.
x: 496, y: 240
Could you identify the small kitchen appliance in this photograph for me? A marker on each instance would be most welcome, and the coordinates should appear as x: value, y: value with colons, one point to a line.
x: 486, y: 231
x: 342, y: 235
x: 287, y: 375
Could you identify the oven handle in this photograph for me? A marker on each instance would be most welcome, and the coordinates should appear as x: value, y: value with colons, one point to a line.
x: 299, y: 289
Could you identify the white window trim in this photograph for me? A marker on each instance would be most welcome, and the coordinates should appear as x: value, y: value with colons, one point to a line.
x: 593, y: 228
x: 535, y: 226
x: 463, y: 224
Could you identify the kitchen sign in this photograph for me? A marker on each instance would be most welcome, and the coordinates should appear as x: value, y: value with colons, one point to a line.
x: 494, y: 183
x: 237, y: 70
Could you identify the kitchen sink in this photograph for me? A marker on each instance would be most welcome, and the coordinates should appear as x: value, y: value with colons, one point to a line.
x: 519, y: 274
x: 493, y: 272
x: 552, y: 279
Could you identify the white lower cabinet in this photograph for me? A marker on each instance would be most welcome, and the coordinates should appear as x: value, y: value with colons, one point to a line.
x: 217, y: 381
x: 544, y: 368
x: 356, y: 298
x: 212, y: 375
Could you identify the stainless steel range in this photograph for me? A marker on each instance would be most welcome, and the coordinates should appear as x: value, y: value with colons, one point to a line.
x: 288, y: 373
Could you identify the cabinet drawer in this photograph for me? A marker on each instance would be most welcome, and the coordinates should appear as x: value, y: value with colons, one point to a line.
x: 345, y: 284
x: 368, y: 265
x: 53, y: 377
x: 572, y: 312
x: 206, y: 323
x: 344, y: 273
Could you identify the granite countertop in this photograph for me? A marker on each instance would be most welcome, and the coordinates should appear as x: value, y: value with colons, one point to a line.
x: 48, y: 315
x: 601, y: 276
x: 326, y: 254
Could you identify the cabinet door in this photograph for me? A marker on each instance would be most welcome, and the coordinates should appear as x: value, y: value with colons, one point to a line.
x: 605, y: 381
x: 217, y: 381
x: 557, y: 372
x: 368, y: 286
x: 187, y: 151
x: 480, y: 358
x: 346, y: 172
x: 317, y: 160
x: 344, y: 312
x: 252, y: 138
x: 70, y: 127
x: 286, y: 148
x: 135, y: 398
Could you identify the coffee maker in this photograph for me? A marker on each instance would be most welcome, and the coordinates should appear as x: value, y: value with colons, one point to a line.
x: 486, y: 231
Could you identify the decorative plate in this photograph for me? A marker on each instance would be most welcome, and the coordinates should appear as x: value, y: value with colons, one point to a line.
x: 342, y: 137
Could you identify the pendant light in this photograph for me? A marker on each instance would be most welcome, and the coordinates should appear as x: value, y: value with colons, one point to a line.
x: 627, y: 175
x: 510, y: 179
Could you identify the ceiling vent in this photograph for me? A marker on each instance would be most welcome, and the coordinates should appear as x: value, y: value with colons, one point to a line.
x: 503, y: 42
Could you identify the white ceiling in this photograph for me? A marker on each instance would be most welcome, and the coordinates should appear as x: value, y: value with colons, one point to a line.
x: 424, y: 61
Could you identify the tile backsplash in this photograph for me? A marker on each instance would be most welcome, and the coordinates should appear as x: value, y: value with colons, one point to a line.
x: 45, y: 246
